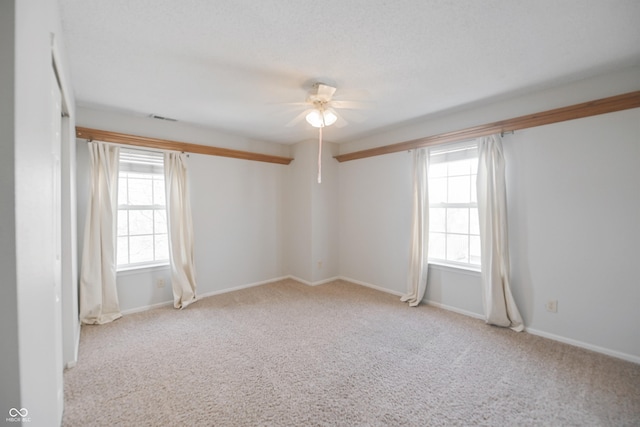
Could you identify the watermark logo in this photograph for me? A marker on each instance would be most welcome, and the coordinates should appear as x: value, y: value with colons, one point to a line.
x: 18, y: 416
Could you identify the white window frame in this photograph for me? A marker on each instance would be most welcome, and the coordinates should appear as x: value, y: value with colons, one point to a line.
x: 464, y: 150
x: 151, y: 163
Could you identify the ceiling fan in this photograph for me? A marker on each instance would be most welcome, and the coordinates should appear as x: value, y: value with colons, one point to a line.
x: 320, y: 108
x: 321, y: 112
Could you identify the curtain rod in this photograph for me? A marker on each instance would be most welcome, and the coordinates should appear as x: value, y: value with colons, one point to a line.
x: 592, y: 108
x: 186, y: 147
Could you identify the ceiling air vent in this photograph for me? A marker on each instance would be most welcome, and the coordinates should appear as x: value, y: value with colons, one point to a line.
x: 167, y: 119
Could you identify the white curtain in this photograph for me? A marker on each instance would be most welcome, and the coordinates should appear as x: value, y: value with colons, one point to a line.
x: 181, y: 253
x: 98, y: 294
x: 499, y: 306
x: 418, y: 266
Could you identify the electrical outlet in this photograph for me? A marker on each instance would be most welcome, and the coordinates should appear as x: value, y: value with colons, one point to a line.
x: 552, y: 306
x: 160, y: 282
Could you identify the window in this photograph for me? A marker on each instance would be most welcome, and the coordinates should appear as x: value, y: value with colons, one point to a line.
x: 454, y: 234
x: 142, y: 216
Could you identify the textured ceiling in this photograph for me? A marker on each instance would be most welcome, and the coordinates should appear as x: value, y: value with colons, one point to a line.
x: 234, y: 64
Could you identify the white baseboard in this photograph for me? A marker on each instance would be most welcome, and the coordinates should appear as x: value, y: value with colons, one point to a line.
x: 454, y: 309
x: 306, y: 282
x: 237, y: 288
x: 554, y: 337
x: 369, y: 285
x: 146, y: 307
x: 200, y: 296
x: 576, y: 343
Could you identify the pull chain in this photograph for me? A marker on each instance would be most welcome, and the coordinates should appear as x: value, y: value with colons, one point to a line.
x: 319, y: 155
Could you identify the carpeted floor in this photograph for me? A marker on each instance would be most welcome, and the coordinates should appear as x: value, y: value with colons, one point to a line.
x: 285, y: 354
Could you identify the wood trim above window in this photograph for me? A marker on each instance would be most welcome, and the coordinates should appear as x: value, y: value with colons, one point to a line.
x: 163, y: 144
x: 592, y: 108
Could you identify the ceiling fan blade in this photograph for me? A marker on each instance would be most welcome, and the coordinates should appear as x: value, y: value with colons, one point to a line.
x: 351, y: 105
x: 325, y: 92
x: 290, y: 104
x: 340, y: 121
x: 297, y: 119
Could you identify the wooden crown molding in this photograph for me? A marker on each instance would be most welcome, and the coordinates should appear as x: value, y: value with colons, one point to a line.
x: 163, y: 144
x: 592, y: 108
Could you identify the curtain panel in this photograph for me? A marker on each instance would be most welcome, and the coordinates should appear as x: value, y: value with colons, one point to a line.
x: 181, y: 241
x: 418, y: 265
x: 98, y: 294
x: 499, y: 306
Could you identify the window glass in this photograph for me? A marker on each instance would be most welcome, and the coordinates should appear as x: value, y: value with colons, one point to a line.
x: 142, y: 218
x: 454, y: 233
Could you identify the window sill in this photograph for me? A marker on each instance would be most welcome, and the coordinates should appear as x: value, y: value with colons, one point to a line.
x: 465, y: 269
x: 125, y: 271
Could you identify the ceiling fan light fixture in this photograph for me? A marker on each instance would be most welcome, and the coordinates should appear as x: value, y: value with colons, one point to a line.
x: 321, y: 118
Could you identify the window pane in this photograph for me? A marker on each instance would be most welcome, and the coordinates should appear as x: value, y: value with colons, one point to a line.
x: 140, y: 191
x: 122, y: 189
x: 453, y: 213
x: 457, y: 248
x: 458, y: 220
x: 438, y: 190
x: 138, y: 175
x: 158, y: 192
x: 474, y: 221
x: 460, y: 189
x: 162, y: 247
x: 474, y: 250
x: 123, y: 224
x: 140, y: 249
x: 141, y: 230
x: 474, y: 192
x: 140, y: 222
x: 437, y: 245
x: 123, y: 250
x: 160, y: 221
x: 474, y: 166
x: 437, y: 219
x: 461, y: 167
x: 437, y: 169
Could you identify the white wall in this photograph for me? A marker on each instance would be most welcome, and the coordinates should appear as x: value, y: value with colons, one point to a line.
x: 574, y: 201
x: 455, y: 289
x: 311, y: 212
x: 9, y: 350
x: 324, y: 215
x: 27, y: 198
x: 574, y: 204
x: 375, y: 220
x: 297, y: 212
x: 236, y: 205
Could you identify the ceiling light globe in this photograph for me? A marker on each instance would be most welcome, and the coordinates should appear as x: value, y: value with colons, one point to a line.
x: 315, y: 118
x: 329, y: 118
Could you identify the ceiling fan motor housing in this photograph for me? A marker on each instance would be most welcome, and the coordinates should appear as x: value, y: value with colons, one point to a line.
x: 321, y: 93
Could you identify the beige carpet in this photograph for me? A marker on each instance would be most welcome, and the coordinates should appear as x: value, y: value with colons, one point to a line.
x: 285, y: 354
